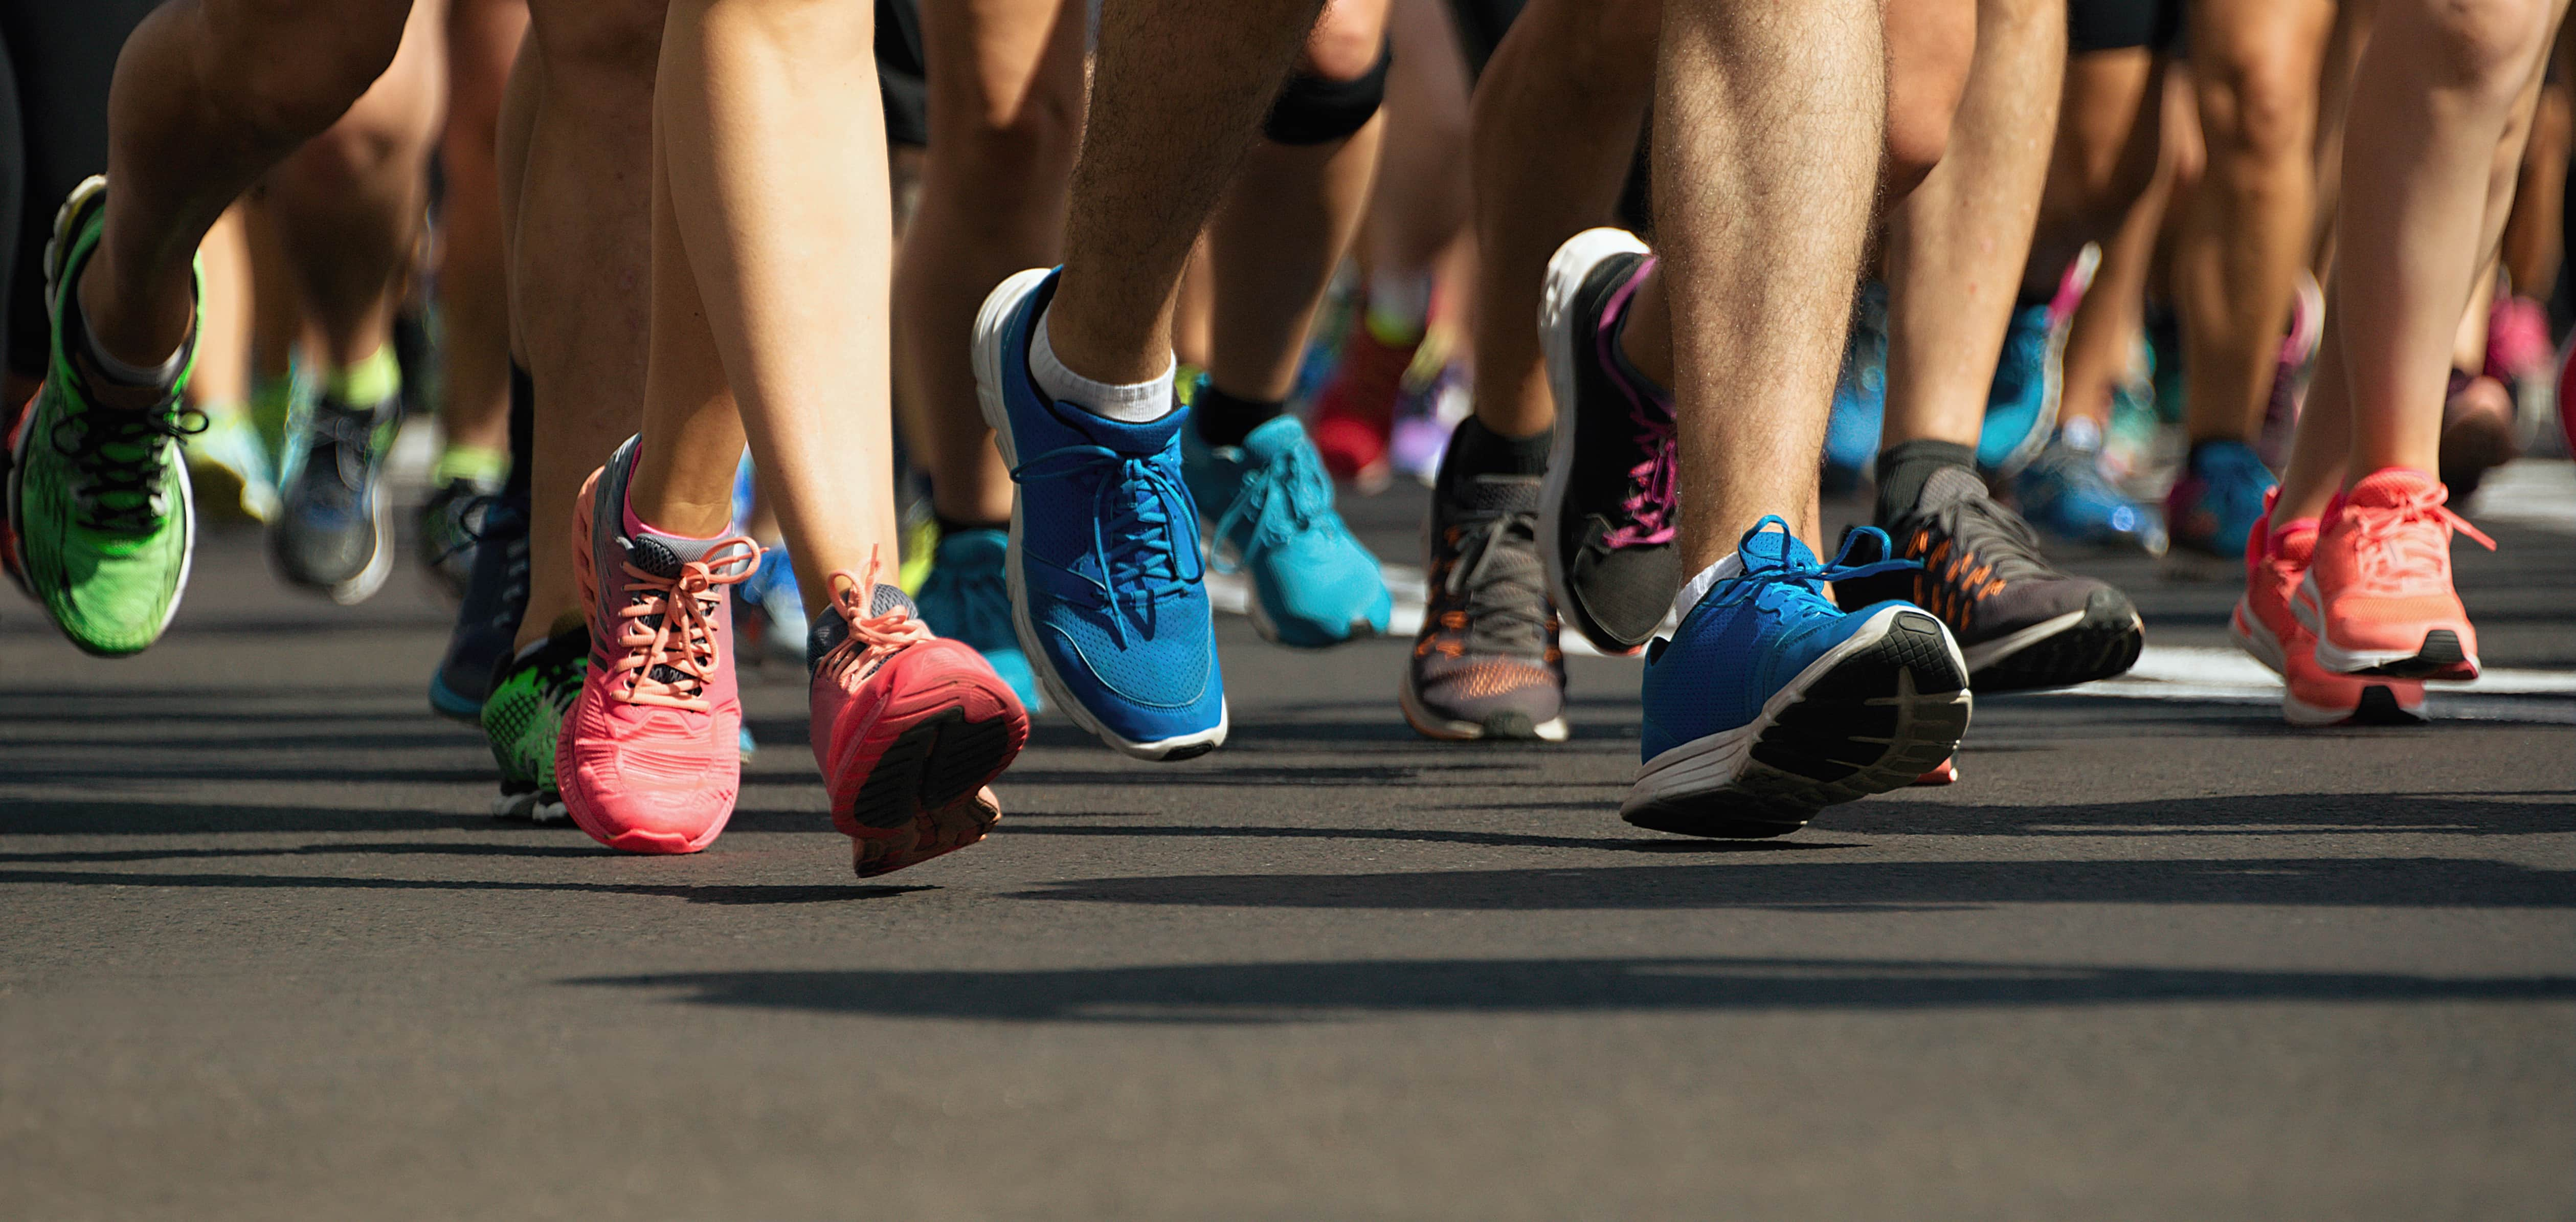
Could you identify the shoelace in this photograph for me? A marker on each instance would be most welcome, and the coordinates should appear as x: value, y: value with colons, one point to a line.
x: 667, y: 627
x: 1136, y: 535
x: 2394, y: 546
x: 872, y: 638
x: 1285, y: 498
x: 1648, y: 507
x: 1763, y: 571
x: 1498, y: 610
x: 118, y: 483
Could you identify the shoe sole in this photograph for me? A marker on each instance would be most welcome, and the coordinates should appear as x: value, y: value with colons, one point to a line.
x: 925, y: 765
x: 514, y: 802
x: 1362, y: 627
x: 1875, y: 714
x: 2379, y: 706
x: 2441, y: 656
x: 57, y: 248
x: 1502, y: 726
x: 447, y: 702
x: 370, y: 577
x: 992, y: 320
x: 2100, y: 641
x: 1566, y: 271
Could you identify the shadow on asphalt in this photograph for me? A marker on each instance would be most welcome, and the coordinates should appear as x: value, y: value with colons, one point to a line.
x: 1312, y: 991
x: 745, y: 894
x: 1854, y: 886
x: 2490, y: 814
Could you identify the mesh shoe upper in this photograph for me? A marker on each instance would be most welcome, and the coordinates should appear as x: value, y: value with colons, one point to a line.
x: 1313, y: 583
x: 1487, y: 654
x: 327, y: 535
x: 967, y: 597
x: 1609, y: 514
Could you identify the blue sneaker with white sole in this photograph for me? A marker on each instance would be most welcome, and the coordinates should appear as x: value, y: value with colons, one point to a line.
x: 967, y: 598
x: 2021, y: 402
x: 1313, y: 584
x: 1769, y: 703
x: 1108, y: 591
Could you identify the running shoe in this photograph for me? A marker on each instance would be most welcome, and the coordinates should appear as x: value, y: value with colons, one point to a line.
x: 2021, y: 402
x: 1860, y: 395
x: 1769, y: 703
x: 1607, y: 513
x: 334, y: 531
x: 1313, y: 584
x: 1355, y: 410
x: 532, y: 692
x: 908, y: 729
x: 487, y: 618
x: 228, y: 472
x: 2521, y: 356
x: 100, y: 518
x: 649, y: 760
x: 2068, y: 495
x: 770, y: 610
x: 2020, y: 622
x: 2264, y: 628
x: 450, y: 526
x: 2295, y: 367
x: 1108, y: 590
x: 2478, y: 432
x: 967, y: 597
x: 1486, y: 663
x: 2211, y: 510
x: 2378, y: 591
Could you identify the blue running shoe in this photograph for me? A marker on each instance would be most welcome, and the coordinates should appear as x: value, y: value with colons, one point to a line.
x: 1769, y: 703
x: 2068, y: 497
x: 1313, y: 584
x: 1108, y: 592
x: 2021, y: 403
x: 967, y: 597
x: 769, y: 610
x: 2213, y: 506
x: 1860, y: 396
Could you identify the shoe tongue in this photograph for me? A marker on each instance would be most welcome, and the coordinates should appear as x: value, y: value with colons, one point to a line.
x: 1949, y: 485
x: 662, y: 555
x: 1777, y: 547
x: 2391, y: 487
x: 830, y: 630
x: 1499, y: 493
x: 1147, y: 438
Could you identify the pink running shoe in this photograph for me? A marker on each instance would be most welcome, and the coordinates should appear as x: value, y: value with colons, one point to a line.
x: 2518, y: 348
x: 2378, y: 592
x: 909, y: 728
x: 2276, y: 558
x: 2292, y: 371
x: 650, y: 755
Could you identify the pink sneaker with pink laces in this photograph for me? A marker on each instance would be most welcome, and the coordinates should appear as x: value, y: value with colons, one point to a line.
x: 650, y: 758
x: 2276, y: 558
x: 2378, y: 592
x: 908, y: 728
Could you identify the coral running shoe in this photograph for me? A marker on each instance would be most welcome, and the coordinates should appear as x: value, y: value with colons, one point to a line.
x: 2276, y: 558
x: 1769, y: 703
x: 1108, y: 588
x: 650, y: 755
x: 1607, y: 514
x: 2378, y: 591
x: 1355, y: 411
x: 908, y: 728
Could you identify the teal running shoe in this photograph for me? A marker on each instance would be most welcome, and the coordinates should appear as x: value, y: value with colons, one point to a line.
x: 2067, y: 495
x: 967, y: 597
x: 2021, y: 403
x: 1313, y: 584
x: 1860, y: 395
x: 100, y: 518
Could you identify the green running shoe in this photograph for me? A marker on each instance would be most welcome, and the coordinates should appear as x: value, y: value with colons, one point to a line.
x: 101, y: 522
x: 522, y: 717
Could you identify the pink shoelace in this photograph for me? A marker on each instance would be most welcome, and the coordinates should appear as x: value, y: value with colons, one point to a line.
x: 2409, y: 542
x: 668, y: 625
x: 872, y: 638
x: 1649, y: 504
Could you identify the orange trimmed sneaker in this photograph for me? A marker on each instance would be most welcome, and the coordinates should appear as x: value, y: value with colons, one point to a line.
x: 650, y: 756
x: 2276, y: 558
x: 2378, y: 591
x: 909, y: 728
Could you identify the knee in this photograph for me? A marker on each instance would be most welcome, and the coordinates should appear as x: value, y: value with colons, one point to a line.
x: 2488, y: 45
x: 292, y: 68
x: 2259, y: 103
x: 1345, y: 45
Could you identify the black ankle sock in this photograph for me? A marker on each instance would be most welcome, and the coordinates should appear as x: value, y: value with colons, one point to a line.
x: 949, y: 526
x: 1904, y: 467
x: 1225, y: 420
x: 1476, y: 450
x: 523, y: 432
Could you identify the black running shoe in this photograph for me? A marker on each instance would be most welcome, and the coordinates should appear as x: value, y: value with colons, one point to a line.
x: 451, y: 521
x: 334, y: 529
x: 496, y: 596
x: 1486, y: 663
x: 2021, y: 623
x: 1607, y: 513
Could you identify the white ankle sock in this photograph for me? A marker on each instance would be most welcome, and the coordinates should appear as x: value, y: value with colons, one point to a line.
x: 1697, y: 588
x: 1139, y: 403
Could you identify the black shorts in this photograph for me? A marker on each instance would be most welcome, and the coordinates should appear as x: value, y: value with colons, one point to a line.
x: 2117, y: 25
x: 1481, y: 24
x: 900, y: 73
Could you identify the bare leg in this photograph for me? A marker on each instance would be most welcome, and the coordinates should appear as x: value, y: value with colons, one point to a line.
x: 1420, y: 201
x: 2104, y: 186
x: 1768, y: 129
x: 221, y: 382
x: 1134, y: 219
x: 782, y: 231
x: 474, y: 302
x: 1006, y: 100
x: 583, y: 234
x: 1957, y: 246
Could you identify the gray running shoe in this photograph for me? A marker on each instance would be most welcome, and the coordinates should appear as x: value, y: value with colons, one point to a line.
x: 1486, y: 664
x: 334, y: 530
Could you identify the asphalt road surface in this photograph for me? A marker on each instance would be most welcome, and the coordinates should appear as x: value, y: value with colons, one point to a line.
x: 2158, y: 956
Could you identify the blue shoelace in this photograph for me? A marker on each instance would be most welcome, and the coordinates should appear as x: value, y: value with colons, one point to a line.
x: 1762, y: 570
x: 1283, y: 498
x: 1136, y: 512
